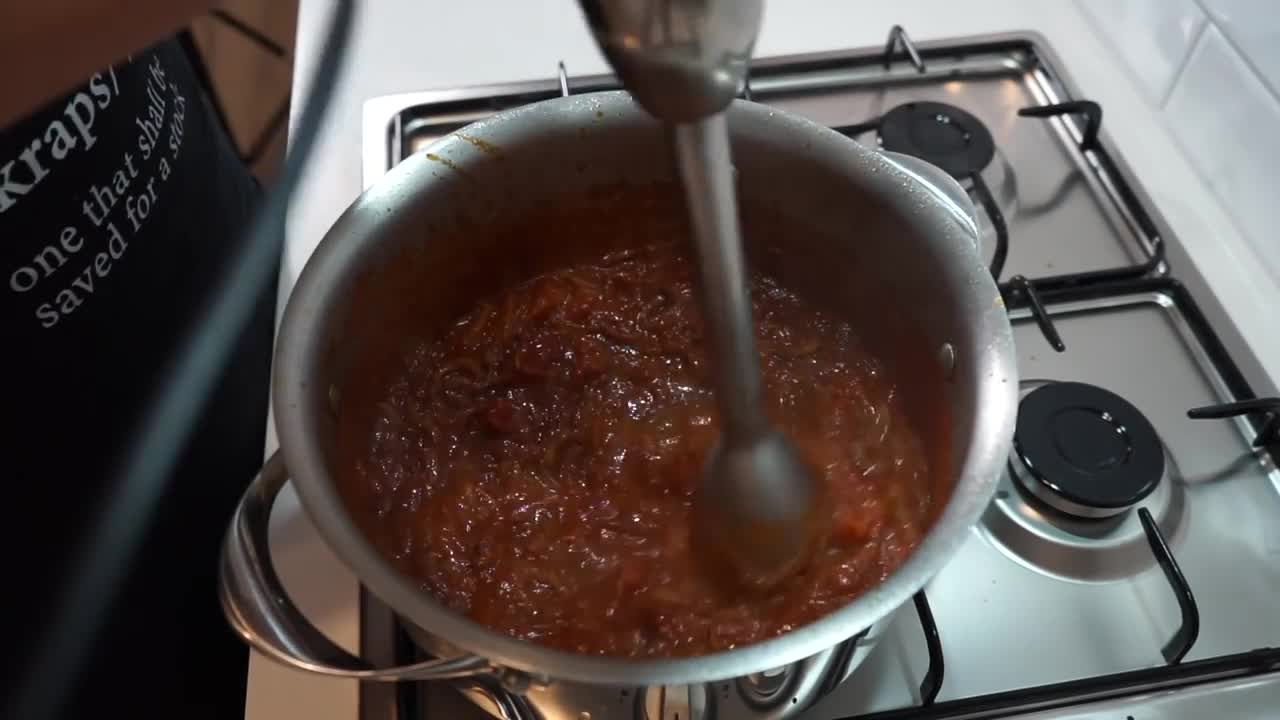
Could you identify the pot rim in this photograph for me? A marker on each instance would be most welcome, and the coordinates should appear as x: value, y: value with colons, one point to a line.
x: 992, y: 369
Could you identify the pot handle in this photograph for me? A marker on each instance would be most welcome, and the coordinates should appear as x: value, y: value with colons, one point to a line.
x: 258, y: 609
x: 937, y: 180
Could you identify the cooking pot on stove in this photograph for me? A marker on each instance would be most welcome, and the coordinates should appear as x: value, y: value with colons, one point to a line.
x: 888, y: 241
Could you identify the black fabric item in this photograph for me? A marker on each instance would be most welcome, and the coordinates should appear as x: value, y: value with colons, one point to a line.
x: 120, y: 205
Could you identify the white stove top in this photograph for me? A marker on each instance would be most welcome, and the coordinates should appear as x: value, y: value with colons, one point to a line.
x: 403, y: 46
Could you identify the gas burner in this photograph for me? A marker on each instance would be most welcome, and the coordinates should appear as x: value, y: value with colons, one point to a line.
x: 1086, y: 451
x: 1083, y: 456
x: 944, y: 135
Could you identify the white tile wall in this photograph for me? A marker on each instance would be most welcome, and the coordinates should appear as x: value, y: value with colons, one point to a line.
x: 1253, y: 26
x: 1228, y: 124
x: 1211, y: 70
x: 1158, y: 35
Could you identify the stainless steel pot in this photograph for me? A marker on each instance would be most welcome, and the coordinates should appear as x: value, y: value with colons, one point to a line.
x: 888, y: 241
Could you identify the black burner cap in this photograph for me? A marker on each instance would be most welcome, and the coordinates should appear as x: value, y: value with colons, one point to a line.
x: 1087, y: 446
x: 938, y: 133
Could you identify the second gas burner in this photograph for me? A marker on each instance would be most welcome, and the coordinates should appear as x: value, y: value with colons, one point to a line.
x: 1084, y: 459
x: 944, y: 135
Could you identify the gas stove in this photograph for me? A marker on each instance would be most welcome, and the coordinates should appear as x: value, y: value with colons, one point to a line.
x: 1129, y: 565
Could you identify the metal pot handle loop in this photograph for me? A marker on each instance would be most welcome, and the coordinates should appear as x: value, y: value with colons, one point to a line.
x: 258, y: 609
